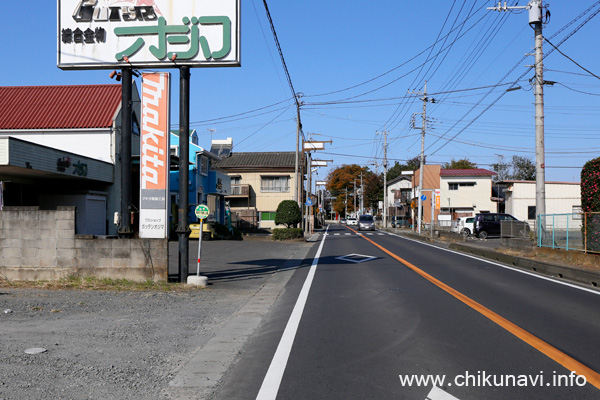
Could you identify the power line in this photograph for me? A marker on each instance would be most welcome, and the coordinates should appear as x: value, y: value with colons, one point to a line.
x: 573, y: 61
x: 287, y: 74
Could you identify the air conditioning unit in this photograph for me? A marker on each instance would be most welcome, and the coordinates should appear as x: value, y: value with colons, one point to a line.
x: 174, y: 151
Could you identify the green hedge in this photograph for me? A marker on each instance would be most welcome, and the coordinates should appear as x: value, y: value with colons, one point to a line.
x: 287, y: 234
x: 590, y: 202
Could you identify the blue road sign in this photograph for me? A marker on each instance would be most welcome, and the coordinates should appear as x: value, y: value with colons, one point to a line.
x: 309, y: 202
x: 423, y: 197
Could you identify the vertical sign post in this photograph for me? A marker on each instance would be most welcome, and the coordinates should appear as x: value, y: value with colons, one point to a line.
x: 202, y: 211
x: 154, y: 156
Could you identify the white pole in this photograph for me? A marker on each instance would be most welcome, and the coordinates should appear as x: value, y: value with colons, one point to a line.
x: 200, y: 246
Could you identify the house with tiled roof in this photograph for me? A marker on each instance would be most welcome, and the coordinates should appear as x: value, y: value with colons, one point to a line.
x: 60, y: 146
x: 259, y: 182
x: 466, y: 192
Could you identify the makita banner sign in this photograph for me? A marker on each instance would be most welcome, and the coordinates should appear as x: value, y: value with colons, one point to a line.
x: 154, y: 157
x: 96, y: 34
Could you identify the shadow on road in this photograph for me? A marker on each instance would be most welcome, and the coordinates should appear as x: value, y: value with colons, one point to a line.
x: 255, y: 269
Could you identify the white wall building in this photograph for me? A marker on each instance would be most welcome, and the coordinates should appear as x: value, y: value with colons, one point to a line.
x: 466, y: 192
x: 561, y: 198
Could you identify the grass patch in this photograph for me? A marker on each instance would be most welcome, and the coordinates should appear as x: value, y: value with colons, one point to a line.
x: 94, y: 283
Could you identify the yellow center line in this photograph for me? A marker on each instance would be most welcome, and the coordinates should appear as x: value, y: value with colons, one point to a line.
x: 563, y: 359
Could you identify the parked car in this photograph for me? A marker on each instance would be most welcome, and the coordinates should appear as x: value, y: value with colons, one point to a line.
x: 457, y: 225
x: 352, y: 221
x: 488, y: 224
x: 467, y: 226
x: 366, y: 222
x: 343, y: 221
x: 398, y: 222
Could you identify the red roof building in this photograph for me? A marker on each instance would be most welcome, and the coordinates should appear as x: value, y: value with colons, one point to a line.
x: 466, y: 172
x: 58, y: 107
x: 59, y: 146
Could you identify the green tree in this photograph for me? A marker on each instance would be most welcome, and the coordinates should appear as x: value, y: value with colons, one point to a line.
x: 341, y: 179
x: 459, y: 164
x: 373, y: 189
x: 523, y: 169
x: 396, y: 170
x: 288, y: 214
x: 520, y: 169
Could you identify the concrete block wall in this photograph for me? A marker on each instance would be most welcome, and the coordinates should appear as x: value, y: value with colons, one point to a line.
x: 42, y: 245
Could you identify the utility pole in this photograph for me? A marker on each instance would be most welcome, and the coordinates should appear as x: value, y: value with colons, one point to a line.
x: 297, y: 195
x: 540, y: 166
x: 354, y: 190
x: 422, y: 158
x: 346, y: 204
x: 362, y: 194
x: 308, y: 192
x: 536, y: 8
x: 385, y: 133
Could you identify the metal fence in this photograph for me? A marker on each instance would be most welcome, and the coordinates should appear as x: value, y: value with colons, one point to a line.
x: 514, y: 229
x: 575, y: 231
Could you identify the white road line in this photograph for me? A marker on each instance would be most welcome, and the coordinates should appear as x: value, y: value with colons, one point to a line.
x: 336, y: 234
x: 596, y: 292
x: 347, y: 234
x: 438, y: 394
x: 272, y: 381
x: 370, y: 234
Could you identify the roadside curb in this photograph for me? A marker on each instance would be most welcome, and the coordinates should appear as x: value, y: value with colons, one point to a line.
x: 560, y: 271
x: 555, y: 270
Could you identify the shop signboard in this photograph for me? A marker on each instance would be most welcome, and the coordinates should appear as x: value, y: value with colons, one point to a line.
x: 154, y: 157
x: 111, y: 34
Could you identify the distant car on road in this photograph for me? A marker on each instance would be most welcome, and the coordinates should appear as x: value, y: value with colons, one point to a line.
x: 352, y: 221
x: 343, y: 221
x: 366, y: 222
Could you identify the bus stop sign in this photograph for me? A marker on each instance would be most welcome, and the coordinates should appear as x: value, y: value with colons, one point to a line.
x: 202, y: 211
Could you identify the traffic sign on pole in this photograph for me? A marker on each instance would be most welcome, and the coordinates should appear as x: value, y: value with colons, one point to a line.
x: 202, y: 211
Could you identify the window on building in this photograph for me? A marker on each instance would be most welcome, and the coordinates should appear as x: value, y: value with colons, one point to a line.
x: 236, y: 180
x: 275, y: 184
x: 267, y: 215
x: 456, y: 185
x: 204, y: 165
x: 577, y: 211
x: 531, y: 212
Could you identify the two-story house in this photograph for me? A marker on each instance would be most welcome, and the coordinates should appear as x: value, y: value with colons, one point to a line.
x: 259, y: 182
x: 466, y: 192
x: 399, y: 197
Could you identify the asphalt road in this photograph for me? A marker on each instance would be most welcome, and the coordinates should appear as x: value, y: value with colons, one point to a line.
x: 362, y: 330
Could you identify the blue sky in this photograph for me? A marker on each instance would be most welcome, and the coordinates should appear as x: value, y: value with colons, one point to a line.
x: 354, y: 62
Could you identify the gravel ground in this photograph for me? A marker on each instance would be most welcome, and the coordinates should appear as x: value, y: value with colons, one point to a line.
x: 125, y: 345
